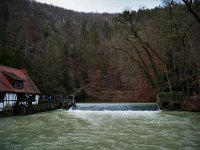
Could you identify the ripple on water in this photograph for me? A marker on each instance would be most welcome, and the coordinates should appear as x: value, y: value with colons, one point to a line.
x: 101, y: 130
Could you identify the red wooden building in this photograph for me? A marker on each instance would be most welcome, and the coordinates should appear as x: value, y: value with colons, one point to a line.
x: 16, y: 85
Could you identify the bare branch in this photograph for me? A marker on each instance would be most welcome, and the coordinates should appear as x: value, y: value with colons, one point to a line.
x: 189, y: 6
x: 132, y: 58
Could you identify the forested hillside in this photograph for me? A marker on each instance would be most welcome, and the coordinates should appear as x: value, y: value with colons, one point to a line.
x: 123, y: 57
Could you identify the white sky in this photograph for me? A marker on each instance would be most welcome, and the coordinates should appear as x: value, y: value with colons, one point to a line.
x: 110, y: 6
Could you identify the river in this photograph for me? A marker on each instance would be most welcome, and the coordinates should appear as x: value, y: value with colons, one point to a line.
x: 101, y: 130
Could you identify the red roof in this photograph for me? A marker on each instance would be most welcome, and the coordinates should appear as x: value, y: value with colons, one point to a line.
x: 7, y: 73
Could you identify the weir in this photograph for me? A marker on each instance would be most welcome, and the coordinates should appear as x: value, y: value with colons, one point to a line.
x: 116, y: 107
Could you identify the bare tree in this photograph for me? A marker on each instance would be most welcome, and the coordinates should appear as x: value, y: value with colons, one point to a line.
x: 139, y: 50
x: 189, y: 3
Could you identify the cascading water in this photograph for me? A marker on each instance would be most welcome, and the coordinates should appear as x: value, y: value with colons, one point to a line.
x: 116, y: 107
x: 107, y: 130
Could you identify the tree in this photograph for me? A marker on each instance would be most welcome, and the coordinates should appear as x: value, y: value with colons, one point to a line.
x: 94, y: 34
x: 13, y: 58
x: 138, y: 49
x: 177, y: 37
x: 189, y: 3
x: 107, y: 30
x: 50, y: 67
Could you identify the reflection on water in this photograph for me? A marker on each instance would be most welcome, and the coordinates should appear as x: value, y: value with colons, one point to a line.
x: 121, y: 130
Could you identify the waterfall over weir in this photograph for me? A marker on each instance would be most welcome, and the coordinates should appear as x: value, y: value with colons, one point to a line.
x: 116, y: 107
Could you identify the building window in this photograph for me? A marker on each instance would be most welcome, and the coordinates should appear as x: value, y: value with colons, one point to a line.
x: 18, y: 84
x: 1, y: 97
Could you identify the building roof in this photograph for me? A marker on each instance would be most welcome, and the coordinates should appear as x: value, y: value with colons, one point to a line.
x: 7, y: 73
x: 12, y: 75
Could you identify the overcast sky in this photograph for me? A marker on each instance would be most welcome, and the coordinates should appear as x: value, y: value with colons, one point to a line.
x: 110, y: 6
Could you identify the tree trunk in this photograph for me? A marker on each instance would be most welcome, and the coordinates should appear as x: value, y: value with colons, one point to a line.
x: 168, y: 81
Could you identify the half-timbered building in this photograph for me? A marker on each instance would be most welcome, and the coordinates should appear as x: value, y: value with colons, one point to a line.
x: 16, y: 86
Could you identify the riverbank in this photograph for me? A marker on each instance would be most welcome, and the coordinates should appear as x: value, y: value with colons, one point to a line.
x: 178, y: 101
x: 191, y: 105
x: 41, y: 107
